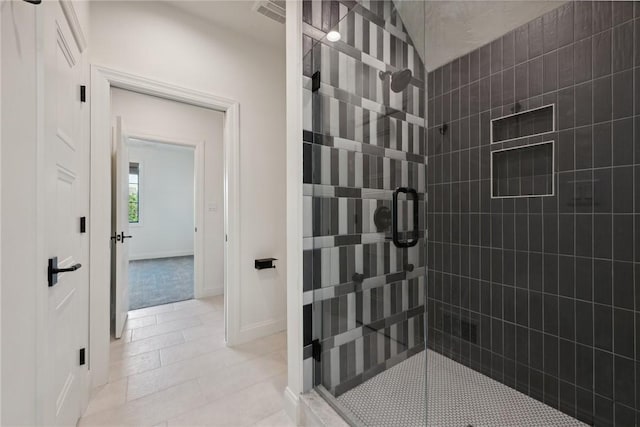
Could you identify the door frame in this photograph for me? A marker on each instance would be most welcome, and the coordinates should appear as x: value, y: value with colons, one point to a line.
x: 198, y: 205
x: 102, y: 80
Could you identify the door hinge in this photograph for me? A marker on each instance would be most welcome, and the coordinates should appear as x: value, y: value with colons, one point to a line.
x: 83, y: 93
x: 82, y: 356
x: 316, y: 349
x: 83, y: 224
x: 315, y: 81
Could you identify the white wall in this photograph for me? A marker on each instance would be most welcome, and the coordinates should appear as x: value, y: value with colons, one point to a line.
x: 158, y: 41
x: 178, y: 122
x: 166, y: 201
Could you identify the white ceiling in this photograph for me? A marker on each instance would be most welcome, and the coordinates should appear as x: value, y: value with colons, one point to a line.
x: 441, y: 30
x: 236, y: 15
x: 445, y: 30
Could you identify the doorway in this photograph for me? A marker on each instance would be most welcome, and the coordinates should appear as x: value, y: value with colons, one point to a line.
x: 161, y: 215
x: 109, y: 90
x: 169, y: 159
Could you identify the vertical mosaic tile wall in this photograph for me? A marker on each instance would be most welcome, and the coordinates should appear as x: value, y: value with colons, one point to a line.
x: 539, y: 292
x: 361, y: 141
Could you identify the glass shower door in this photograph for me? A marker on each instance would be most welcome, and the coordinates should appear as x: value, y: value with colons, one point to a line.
x: 365, y: 251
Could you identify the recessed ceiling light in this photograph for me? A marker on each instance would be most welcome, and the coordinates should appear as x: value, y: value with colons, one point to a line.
x: 333, y: 36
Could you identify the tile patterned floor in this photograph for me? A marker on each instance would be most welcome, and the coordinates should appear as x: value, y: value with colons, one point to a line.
x: 160, y: 281
x: 171, y: 368
x: 457, y: 397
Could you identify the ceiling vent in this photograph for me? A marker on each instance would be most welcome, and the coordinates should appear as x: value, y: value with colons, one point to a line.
x: 274, y: 9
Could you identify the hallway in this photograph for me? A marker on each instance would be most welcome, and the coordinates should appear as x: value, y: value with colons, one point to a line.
x: 172, y: 368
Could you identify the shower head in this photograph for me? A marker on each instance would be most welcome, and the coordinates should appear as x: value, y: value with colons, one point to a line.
x: 399, y: 80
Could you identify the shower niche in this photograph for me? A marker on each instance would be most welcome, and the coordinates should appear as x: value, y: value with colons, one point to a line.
x: 523, y: 171
x: 523, y: 124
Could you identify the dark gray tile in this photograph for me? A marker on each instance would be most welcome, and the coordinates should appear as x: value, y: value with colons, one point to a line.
x: 565, y: 66
x: 623, y: 47
x: 584, y: 316
x: 565, y: 24
x: 550, y: 69
x: 535, y: 38
x: 601, y: 16
x: 496, y: 90
x: 602, y: 100
x: 485, y: 60
x: 522, y: 82
x: 508, y: 86
x: 583, y: 104
x: 623, y: 284
x: 565, y: 150
x: 622, y: 142
x: 582, y: 60
x: 485, y: 94
x: 464, y: 70
x: 508, y: 52
x: 603, y: 380
x: 603, y: 324
x: 521, y: 44
x: 496, y: 56
x: 550, y: 31
x: 636, y: 95
x: 602, y: 191
x: 566, y: 110
x: 583, y: 154
x: 602, y: 54
x: 601, y: 268
x: 622, y: 11
x: 623, y: 325
x: 637, y: 41
x: 602, y: 145
x: 535, y: 77
x: 622, y: 102
x: 583, y: 19
x: 474, y: 65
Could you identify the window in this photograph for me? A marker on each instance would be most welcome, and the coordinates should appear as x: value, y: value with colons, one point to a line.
x: 134, y: 193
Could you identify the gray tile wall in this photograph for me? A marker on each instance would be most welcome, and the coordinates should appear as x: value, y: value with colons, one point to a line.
x: 361, y: 141
x: 540, y: 293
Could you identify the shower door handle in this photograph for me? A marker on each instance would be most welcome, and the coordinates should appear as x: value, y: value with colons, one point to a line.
x: 416, y: 233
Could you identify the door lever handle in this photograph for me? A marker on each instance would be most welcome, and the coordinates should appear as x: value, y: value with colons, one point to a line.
x: 65, y: 270
x: 53, y: 270
x: 122, y: 237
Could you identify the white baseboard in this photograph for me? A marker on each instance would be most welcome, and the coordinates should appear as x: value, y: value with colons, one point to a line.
x: 210, y: 292
x: 154, y: 255
x: 292, y: 406
x: 258, y: 330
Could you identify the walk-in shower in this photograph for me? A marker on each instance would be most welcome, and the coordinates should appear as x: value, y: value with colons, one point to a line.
x: 470, y: 211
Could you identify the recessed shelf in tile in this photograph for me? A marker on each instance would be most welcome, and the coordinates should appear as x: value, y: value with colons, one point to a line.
x: 526, y: 123
x: 523, y: 171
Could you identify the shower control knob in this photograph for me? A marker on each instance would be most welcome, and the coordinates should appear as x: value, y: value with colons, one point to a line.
x: 382, y: 218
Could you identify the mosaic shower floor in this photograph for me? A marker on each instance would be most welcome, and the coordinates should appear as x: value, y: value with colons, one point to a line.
x: 458, y: 397
x: 160, y: 281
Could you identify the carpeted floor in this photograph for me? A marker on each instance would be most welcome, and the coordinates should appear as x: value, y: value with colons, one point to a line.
x: 160, y: 281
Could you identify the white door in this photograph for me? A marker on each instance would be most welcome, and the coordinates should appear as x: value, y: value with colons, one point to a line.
x: 120, y: 242
x: 65, y: 183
